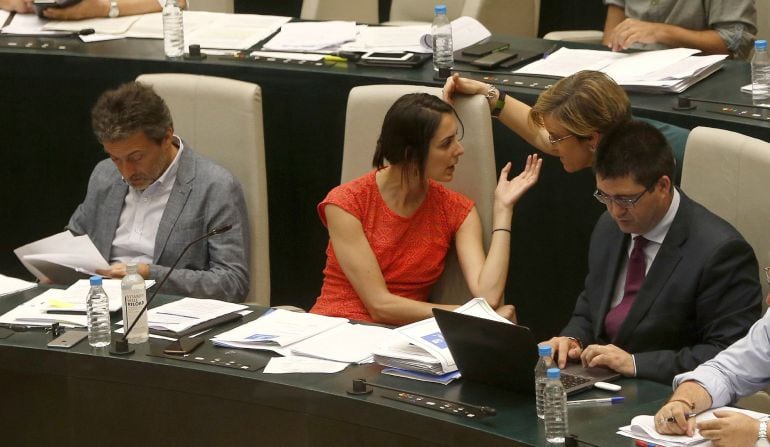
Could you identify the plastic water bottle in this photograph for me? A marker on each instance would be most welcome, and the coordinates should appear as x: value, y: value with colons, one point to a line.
x: 555, y: 409
x: 760, y: 73
x: 98, y: 313
x: 541, y: 377
x: 443, y: 51
x: 134, y: 298
x: 173, y: 29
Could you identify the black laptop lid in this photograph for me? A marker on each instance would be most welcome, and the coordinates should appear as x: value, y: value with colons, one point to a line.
x: 490, y: 352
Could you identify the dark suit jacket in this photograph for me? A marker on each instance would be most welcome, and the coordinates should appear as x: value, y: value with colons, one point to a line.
x: 205, y: 196
x: 701, y: 294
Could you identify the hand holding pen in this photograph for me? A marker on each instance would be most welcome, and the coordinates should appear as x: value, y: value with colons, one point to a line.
x: 676, y: 417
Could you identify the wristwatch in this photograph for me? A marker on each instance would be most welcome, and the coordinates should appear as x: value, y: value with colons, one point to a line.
x: 114, y: 10
x: 762, y: 430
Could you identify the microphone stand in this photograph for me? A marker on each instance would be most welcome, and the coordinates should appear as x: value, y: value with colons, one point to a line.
x: 121, y: 346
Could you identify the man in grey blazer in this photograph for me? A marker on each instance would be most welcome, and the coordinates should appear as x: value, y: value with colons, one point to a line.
x: 689, y: 289
x: 155, y: 195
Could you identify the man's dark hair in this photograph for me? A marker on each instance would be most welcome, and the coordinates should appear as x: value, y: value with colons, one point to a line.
x: 118, y: 114
x: 634, y: 148
x: 409, y: 125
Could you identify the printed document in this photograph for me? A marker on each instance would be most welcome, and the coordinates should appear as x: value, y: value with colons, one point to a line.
x: 61, y: 258
x: 643, y: 427
x: 420, y: 346
x: 183, y: 314
x: 9, y: 285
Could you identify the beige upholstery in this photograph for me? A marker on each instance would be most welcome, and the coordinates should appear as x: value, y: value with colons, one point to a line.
x: 729, y: 174
x: 222, y: 119
x: 475, y: 175
x: 361, y: 11
x: 211, y: 5
x: 506, y: 17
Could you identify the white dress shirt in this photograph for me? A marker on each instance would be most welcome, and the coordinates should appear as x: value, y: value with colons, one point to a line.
x: 139, y: 220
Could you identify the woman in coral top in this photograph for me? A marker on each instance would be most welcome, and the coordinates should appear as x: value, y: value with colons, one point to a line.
x: 390, y: 230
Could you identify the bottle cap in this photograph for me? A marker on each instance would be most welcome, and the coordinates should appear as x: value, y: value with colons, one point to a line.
x: 96, y: 280
x: 760, y: 44
x: 439, y: 9
x: 544, y: 350
x: 553, y: 373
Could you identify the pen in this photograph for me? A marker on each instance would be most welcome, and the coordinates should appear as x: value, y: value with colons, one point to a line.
x: 604, y: 400
x: 640, y: 443
x: 671, y: 419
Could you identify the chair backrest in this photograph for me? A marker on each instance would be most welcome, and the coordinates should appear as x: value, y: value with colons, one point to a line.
x: 361, y: 11
x: 211, y: 5
x: 475, y: 175
x: 222, y: 119
x: 507, y: 17
x: 729, y: 174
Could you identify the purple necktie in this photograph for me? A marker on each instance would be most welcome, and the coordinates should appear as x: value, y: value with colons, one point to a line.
x: 634, y: 279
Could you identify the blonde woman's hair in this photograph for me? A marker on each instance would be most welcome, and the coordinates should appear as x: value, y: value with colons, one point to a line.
x: 586, y: 102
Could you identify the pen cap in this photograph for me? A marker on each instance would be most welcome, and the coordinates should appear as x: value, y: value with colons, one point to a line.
x: 544, y: 350
x: 553, y: 373
x: 96, y: 280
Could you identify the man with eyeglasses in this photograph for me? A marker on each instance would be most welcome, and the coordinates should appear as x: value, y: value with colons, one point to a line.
x: 670, y: 284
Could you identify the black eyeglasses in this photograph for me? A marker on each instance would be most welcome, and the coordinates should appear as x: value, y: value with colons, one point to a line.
x: 623, y: 202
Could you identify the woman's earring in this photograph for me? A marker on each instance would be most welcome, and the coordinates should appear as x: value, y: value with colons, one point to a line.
x: 592, y: 148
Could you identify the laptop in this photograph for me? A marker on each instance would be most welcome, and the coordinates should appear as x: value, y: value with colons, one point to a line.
x: 505, y: 355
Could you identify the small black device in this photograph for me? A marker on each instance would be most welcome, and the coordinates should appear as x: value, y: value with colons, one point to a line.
x: 68, y: 339
x: 42, y: 5
x: 183, y: 345
x: 393, y: 60
x: 482, y: 49
x: 492, y: 60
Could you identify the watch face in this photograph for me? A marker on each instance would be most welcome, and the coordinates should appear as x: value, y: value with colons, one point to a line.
x: 114, y: 11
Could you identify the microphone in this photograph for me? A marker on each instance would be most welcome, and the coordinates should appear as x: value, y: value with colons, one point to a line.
x: 121, y: 346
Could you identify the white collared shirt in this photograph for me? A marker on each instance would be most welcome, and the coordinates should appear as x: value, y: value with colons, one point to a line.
x: 655, y: 238
x: 140, y: 218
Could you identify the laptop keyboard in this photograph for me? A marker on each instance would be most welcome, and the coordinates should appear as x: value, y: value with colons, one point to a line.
x: 570, y: 381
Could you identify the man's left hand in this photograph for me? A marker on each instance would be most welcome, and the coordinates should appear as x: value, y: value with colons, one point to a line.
x: 631, y: 31
x: 730, y: 429
x: 118, y: 270
x: 609, y: 356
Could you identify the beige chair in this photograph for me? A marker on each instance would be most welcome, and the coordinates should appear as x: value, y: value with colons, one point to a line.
x: 505, y: 17
x: 475, y: 176
x: 222, y: 119
x: 211, y: 5
x: 729, y: 174
x: 361, y: 11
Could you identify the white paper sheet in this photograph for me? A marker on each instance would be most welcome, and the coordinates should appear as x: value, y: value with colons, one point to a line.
x: 77, y: 253
x: 9, y: 285
x: 297, y: 364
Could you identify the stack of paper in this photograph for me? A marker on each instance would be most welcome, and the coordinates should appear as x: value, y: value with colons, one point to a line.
x: 421, y: 347
x: 61, y: 258
x: 312, y: 36
x: 10, y: 285
x: 308, y: 335
x: 643, y: 428
x: 183, y: 314
x: 415, y: 38
x: 661, y: 71
x: 67, y: 307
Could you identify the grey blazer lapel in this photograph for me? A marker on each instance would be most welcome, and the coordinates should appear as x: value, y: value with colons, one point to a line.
x: 614, y: 260
x: 111, y: 209
x: 185, y: 174
x: 660, y: 271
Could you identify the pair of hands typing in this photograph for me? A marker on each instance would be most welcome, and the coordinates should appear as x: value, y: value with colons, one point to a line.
x: 608, y: 356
